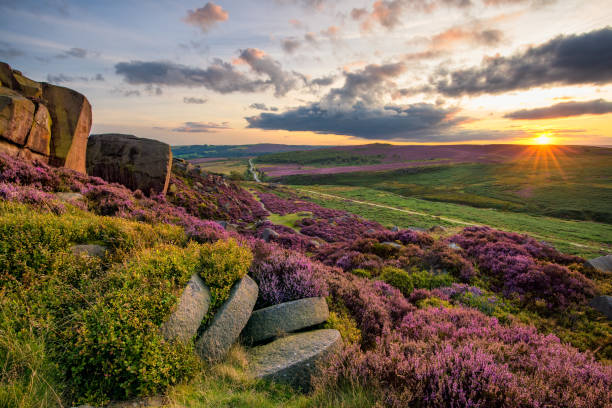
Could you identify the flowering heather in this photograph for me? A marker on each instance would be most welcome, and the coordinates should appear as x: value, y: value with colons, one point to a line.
x: 284, y: 275
x: 31, y: 195
x: 522, y: 267
x: 440, y: 357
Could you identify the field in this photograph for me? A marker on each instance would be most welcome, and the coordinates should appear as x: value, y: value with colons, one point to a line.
x: 223, y: 166
x: 215, y: 151
x: 569, y: 184
x: 577, y: 237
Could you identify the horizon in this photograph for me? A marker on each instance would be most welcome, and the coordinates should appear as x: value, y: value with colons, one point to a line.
x: 317, y: 72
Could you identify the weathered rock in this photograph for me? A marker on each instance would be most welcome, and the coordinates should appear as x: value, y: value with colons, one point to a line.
x: 27, y: 87
x: 39, y: 139
x: 183, y: 324
x: 16, y: 116
x: 229, y: 321
x: 6, y: 77
x: 603, y: 304
x: 136, y: 163
x: 69, y: 197
x: 602, y: 264
x: 269, y: 234
x: 92, y: 250
x: 21, y: 152
x: 437, y: 229
x: 454, y: 246
x: 70, y: 124
x: 392, y: 244
x: 284, y: 318
x: 293, y: 359
x: 395, y: 228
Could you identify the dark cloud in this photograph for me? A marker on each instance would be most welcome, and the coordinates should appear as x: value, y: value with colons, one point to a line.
x: 307, y: 4
x: 74, y: 53
x: 201, y: 127
x: 263, y: 107
x: 564, y: 60
x: 323, y: 81
x: 311, y: 38
x: 564, y: 110
x: 290, y: 44
x: 8, y: 51
x: 417, y: 123
x: 206, y: 17
x: 220, y: 76
x: 196, y: 101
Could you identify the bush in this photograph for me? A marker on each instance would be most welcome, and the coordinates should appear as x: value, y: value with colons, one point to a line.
x: 222, y: 264
x: 407, y: 281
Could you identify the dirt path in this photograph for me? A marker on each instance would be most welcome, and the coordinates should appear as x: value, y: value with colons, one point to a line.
x: 253, y: 171
x: 451, y: 220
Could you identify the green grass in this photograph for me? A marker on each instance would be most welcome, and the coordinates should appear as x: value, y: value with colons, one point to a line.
x: 577, y: 187
x: 596, y: 236
x: 288, y: 220
x: 225, y: 166
x: 320, y: 158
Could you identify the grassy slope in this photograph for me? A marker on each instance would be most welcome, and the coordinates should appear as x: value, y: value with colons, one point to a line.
x: 225, y: 166
x: 572, y: 187
x: 595, y: 235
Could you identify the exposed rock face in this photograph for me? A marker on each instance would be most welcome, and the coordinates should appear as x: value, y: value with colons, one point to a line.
x: 16, y: 116
x: 71, y: 122
x: 603, y: 304
x: 136, y: 163
x: 42, y: 121
x: 229, y: 321
x: 293, y: 359
x: 269, y: 234
x: 283, y: 318
x: 182, y: 325
x: 602, y: 264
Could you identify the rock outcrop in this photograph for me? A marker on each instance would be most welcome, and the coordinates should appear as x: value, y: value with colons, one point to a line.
x: 92, y: 250
x: 42, y: 121
x: 603, y: 304
x: 293, y: 359
x: 228, y: 322
x: 602, y: 264
x: 183, y: 324
x: 272, y: 321
x: 139, y: 164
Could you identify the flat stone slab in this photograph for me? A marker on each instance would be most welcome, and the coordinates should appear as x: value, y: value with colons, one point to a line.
x: 183, y: 324
x: 293, y: 359
x: 92, y: 250
x: 283, y: 318
x: 603, y: 304
x: 229, y: 321
x: 602, y: 264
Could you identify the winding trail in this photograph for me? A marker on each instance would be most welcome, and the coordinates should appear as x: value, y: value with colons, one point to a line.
x: 451, y: 220
x: 253, y: 171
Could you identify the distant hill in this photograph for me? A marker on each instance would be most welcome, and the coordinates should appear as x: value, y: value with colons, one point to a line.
x: 208, y: 151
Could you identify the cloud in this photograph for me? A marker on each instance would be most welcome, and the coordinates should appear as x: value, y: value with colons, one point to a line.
x: 468, y: 34
x: 206, y: 17
x: 323, y: 81
x: 8, y: 51
x: 195, y: 101
x: 290, y: 44
x: 296, y: 23
x: 63, y: 78
x: 417, y: 123
x: 564, y: 60
x: 564, y: 110
x: 220, y: 76
x: 317, y: 5
x: 73, y: 52
x: 311, y: 38
x: 263, y: 107
x: 331, y: 32
x: 201, y: 127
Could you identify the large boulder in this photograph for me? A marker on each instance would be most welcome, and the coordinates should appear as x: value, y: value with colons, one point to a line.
x: 71, y: 122
x: 294, y: 359
x: 39, y: 140
x: 602, y: 264
x: 183, y: 324
x: 16, y: 116
x: 27, y: 87
x: 284, y: 318
x: 6, y: 77
x: 229, y: 321
x: 143, y: 164
x: 603, y: 304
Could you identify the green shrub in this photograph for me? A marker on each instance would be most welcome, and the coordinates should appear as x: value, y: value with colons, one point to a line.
x: 406, y: 282
x: 222, y: 264
x: 346, y: 325
x: 361, y: 273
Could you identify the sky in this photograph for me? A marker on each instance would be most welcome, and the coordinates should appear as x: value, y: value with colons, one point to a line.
x: 326, y: 72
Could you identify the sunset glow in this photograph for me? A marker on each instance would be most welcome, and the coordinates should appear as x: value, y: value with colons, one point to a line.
x: 326, y: 72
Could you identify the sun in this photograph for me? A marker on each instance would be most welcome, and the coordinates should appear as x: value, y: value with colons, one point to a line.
x: 543, y: 139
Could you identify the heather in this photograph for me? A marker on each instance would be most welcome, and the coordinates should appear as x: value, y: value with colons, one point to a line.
x: 439, y: 356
